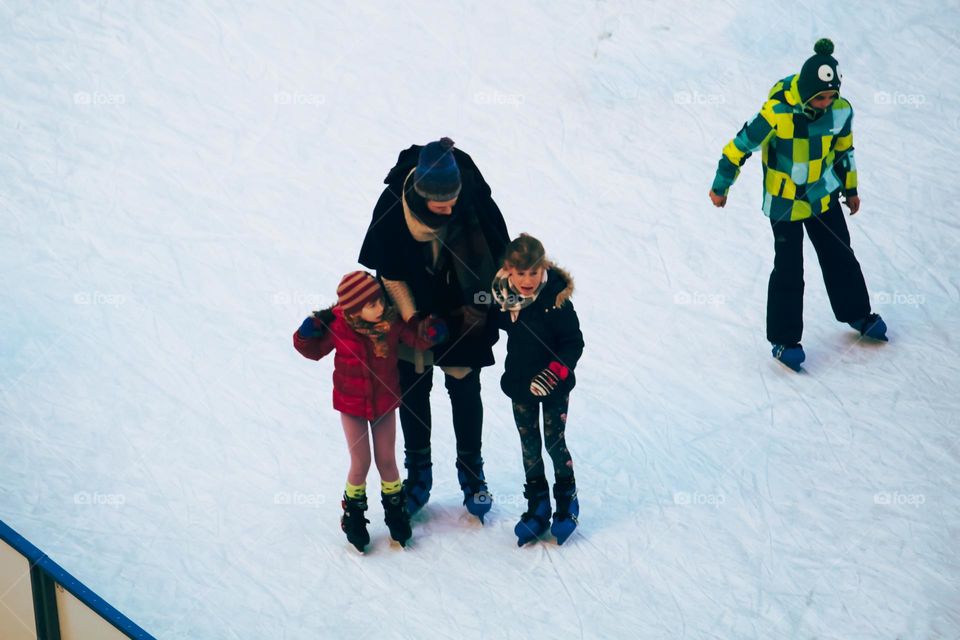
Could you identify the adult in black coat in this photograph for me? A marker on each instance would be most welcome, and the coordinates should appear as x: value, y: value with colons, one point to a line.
x: 436, y: 240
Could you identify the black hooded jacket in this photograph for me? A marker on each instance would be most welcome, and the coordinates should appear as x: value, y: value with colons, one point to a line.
x: 476, y: 238
x: 548, y: 330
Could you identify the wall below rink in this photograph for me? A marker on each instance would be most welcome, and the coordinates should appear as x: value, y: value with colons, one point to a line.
x: 16, y: 596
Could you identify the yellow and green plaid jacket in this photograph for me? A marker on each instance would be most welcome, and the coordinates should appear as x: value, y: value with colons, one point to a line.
x: 804, y: 161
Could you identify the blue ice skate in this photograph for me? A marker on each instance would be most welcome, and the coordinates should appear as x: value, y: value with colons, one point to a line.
x: 535, y: 521
x: 791, y: 355
x: 872, y: 326
x: 566, y: 517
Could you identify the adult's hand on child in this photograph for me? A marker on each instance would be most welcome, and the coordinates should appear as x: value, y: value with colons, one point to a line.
x: 853, y: 203
x: 718, y: 201
x: 544, y: 383
x: 474, y: 319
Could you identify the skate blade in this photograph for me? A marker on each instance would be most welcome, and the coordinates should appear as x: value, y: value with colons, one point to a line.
x: 531, y: 536
x: 798, y: 369
x: 563, y: 537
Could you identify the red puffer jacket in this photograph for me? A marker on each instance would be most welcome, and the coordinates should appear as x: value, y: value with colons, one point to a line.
x: 363, y: 384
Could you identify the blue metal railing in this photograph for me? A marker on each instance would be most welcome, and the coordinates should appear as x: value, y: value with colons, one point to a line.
x: 45, y: 575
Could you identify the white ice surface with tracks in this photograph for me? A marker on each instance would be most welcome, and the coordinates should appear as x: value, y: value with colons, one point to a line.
x: 181, y: 183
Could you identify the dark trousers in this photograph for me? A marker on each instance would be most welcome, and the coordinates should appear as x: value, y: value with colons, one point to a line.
x: 527, y: 417
x: 841, y: 274
x: 415, y: 419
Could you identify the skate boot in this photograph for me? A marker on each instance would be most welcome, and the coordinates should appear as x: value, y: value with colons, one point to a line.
x: 872, y: 326
x: 419, y: 480
x: 791, y: 355
x: 396, y: 516
x: 476, y: 498
x: 353, y: 523
x: 534, y: 522
x: 565, y: 518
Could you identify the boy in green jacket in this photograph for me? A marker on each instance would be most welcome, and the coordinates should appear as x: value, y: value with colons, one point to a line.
x: 805, y: 130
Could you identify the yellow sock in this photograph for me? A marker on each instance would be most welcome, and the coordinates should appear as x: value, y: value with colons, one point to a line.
x: 356, y: 490
x: 389, y: 488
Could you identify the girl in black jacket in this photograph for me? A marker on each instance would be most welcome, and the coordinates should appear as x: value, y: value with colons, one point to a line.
x: 544, y: 343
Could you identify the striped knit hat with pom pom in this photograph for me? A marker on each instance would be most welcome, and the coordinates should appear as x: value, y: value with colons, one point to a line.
x: 356, y: 289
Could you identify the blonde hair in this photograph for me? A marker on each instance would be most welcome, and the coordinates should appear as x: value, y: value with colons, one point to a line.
x: 525, y: 252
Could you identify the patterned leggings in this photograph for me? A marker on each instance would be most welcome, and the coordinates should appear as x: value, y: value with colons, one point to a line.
x: 527, y: 417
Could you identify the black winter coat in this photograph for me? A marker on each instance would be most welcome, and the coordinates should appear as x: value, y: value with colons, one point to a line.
x: 471, y: 255
x: 546, y: 330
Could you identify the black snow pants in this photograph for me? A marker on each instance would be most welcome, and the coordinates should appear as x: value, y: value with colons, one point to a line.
x: 841, y: 274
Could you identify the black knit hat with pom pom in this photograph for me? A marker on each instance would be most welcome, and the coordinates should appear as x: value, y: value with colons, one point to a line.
x: 819, y: 72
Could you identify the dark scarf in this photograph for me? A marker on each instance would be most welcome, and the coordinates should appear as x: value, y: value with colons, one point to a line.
x: 473, y: 260
x: 379, y: 332
x: 418, y: 207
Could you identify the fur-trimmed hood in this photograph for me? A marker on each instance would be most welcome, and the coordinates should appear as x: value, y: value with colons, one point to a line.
x: 560, y: 278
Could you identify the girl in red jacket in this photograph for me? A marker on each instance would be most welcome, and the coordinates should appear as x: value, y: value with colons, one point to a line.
x: 366, y: 390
